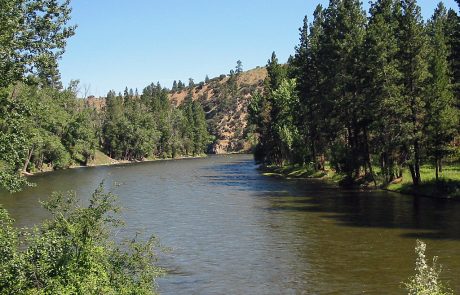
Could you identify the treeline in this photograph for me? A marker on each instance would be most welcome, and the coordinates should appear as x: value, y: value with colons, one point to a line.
x: 136, y: 127
x: 46, y: 128
x: 362, y: 92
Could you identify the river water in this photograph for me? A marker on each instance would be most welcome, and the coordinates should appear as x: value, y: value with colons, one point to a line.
x: 235, y: 231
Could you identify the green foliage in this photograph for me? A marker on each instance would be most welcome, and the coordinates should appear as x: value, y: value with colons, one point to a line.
x: 13, y: 140
x: 372, y: 92
x: 239, y: 67
x: 426, y: 280
x: 150, y: 126
x: 72, y: 254
x: 384, y: 90
x: 273, y: 113
x: 33, y: 36
x: 42, y: 127
x: 441, y: 116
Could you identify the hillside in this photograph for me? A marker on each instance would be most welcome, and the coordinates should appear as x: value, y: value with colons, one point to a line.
x: 225, y: 100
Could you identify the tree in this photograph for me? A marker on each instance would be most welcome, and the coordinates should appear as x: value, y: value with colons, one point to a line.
x: 383, y: 87
x: 341, y: 44
x: 284, y: 131
x: 301, y: 65
x: 13, y: 141
x: 413, y: 58
x: 201, y: 135
x: 180, y: 85
x: 33, y: 36
x: 264, y: 113
x: 452, y: 33
x: 72, y: 253
x: 191, y: 83
x: 206, y: 79
x: 174, y: 86
x: 239, y: 67
x: 306, y: 71
x: 441, y: 118
x: 275, y: 73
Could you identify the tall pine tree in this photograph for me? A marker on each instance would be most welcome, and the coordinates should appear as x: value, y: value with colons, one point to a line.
x: 383, y: 90
x: 413, y: 57
x: 441, y: 117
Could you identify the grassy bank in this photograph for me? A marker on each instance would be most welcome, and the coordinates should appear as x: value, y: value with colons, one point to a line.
x: 448, y: 185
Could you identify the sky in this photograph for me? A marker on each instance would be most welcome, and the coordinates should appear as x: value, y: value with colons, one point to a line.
x: 133, y: 43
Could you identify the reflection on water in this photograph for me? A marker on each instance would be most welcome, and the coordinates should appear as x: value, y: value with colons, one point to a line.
x: 234, y: 231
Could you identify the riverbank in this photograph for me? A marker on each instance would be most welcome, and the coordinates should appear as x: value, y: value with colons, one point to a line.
x: 447, y: 187
x: 100, y: 159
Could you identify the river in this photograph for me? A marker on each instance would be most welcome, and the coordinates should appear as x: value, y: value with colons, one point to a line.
x: 235, y: 231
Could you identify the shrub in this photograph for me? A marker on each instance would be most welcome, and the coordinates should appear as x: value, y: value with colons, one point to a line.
x: 72, y: 254
x: 426, y: 280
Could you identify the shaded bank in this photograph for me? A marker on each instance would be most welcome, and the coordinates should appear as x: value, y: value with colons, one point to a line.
x: 447, y: 187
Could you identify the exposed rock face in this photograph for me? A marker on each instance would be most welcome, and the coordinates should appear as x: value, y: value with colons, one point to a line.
x: 225, y: 101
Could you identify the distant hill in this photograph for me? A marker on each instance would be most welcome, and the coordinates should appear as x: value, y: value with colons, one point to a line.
x: 225, y: 100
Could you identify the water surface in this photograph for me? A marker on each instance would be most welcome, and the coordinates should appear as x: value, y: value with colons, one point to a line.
x: 234, y: 231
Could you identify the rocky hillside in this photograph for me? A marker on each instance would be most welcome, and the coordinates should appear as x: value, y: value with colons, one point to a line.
x: 225, y: 100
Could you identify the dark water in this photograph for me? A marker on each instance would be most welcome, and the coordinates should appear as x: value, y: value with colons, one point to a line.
x: 234, y: 231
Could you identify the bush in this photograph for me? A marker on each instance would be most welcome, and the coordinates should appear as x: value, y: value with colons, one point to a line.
x: 426, y: 280
x: 72, y: 254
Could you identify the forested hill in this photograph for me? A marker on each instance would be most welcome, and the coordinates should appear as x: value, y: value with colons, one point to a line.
x: 225, y: 100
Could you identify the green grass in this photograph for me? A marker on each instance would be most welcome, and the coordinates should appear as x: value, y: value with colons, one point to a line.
x: 447, y: 186
x: 100, y: 159
x: 294, y: 171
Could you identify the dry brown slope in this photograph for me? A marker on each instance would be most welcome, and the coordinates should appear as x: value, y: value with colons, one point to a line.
x: 226, y: 108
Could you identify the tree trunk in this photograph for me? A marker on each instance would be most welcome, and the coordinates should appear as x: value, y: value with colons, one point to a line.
x: 368, y: 156
x: 437, y: 169
x: 313, y: 154
x: 417, y: 162
x: 14, y: 93
x: 31, y: 151
x: 384, y: 168
x: 415, y: 180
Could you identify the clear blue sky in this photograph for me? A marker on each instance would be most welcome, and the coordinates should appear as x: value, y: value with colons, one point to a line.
x: 122, y: 43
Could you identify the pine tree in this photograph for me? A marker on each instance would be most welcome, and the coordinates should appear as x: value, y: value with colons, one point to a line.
x: 191, y: 83
x: 413, y: 58
x: 301, y: 71
x: 174, y: 86
x: 201, y: 135
x: 441, y: 118
x: 317, y: 110
x: 452, y: 33
x: 341, y: 45
x: 262, y: 113
x: 239, y: 67
x: 276, y: 73
x: 383, y: 91
x: 180, y: 85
